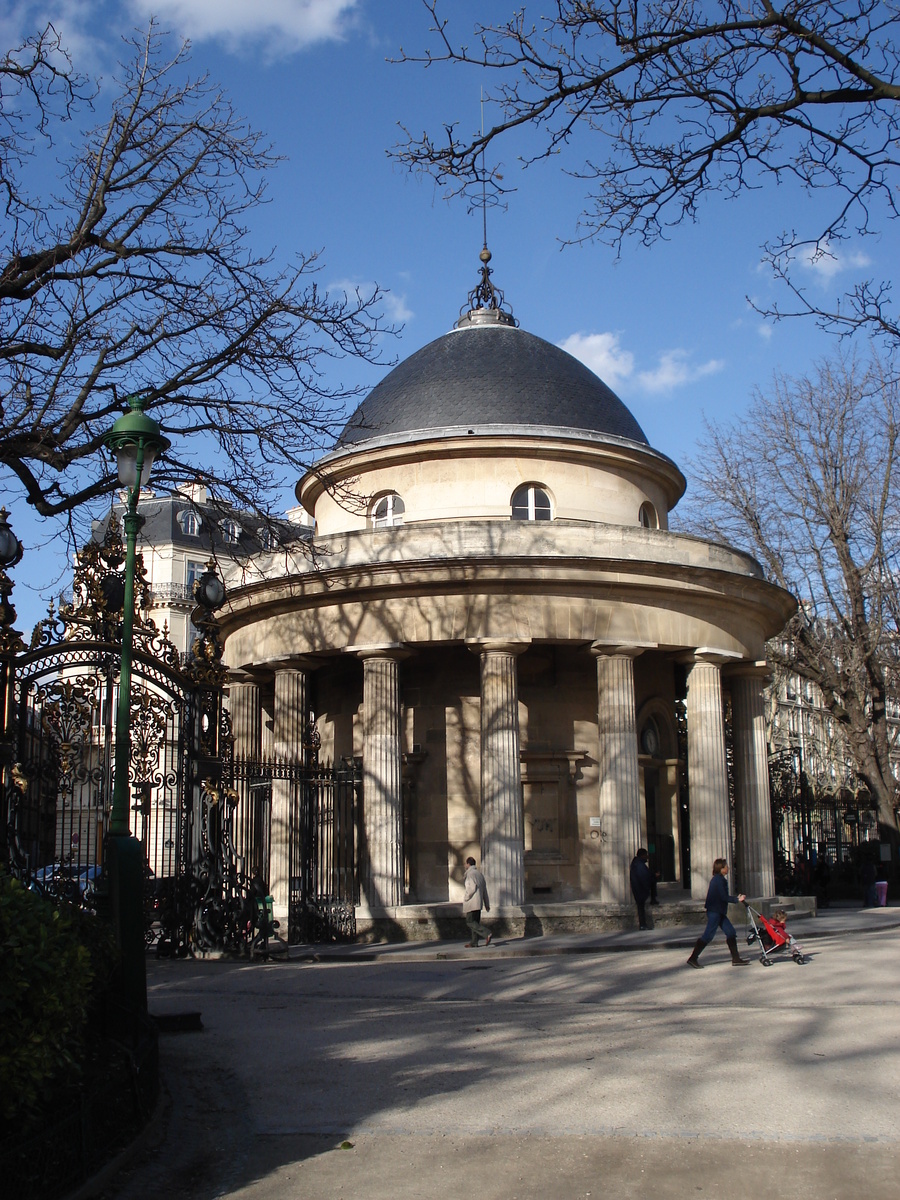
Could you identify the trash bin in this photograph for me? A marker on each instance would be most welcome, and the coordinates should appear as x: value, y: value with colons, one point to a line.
x: 881, y: 889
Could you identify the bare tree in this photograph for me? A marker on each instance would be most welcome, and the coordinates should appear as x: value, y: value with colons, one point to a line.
x: 133, y: 272
x: 657, y: 104
x: 808, y: 481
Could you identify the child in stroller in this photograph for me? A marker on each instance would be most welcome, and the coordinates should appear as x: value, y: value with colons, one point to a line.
x: 776, y: 934
x: 772, y: 935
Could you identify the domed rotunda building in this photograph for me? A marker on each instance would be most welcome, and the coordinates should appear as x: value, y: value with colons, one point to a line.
x: 495, y: 619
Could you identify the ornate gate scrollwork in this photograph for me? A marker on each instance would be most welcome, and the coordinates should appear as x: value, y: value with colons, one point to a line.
x: 204, y: 862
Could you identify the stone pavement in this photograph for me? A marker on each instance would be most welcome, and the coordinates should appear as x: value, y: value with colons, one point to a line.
x: 574, y: 1071
x: 841, y: 918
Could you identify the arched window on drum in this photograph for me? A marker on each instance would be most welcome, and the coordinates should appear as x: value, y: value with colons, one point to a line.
x: 530, y: 502
x: 388, y: 511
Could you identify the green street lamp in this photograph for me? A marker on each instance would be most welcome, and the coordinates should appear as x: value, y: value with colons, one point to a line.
x: 136, y: 440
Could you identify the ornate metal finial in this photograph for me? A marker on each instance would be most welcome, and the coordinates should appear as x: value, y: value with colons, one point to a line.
x: 485, y: 301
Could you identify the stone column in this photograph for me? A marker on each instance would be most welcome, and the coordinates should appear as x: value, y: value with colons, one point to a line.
x: 289, y: 731
x: 502, y: 811
x: 710, y: 814
x: 246, y: 727
x: 754, y: 865
x: 619, y: 772
x: 246, y: 717
x: 382, y: 777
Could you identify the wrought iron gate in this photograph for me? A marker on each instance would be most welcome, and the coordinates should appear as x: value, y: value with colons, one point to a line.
x: 819, y: 838
x: 318, y: 807
x: 202, y: 817
x: 62, y: 696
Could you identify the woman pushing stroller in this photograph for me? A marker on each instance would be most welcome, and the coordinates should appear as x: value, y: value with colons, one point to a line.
x: 717, y: 901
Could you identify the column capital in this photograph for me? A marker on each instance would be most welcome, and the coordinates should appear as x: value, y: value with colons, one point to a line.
x: 604, y: 649
x: 239, y: 675
x: 292, y: 662
x: 498, y: 645
x: 749, y: 670
x: 708, y: 654
x: 384, y: 651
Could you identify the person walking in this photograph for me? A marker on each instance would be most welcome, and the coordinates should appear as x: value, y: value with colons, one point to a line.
x: 641, y: 884
x: 475, y: 899
x: 717, y: 901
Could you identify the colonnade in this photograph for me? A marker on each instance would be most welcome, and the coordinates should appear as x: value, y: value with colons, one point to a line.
x: 502, y: 816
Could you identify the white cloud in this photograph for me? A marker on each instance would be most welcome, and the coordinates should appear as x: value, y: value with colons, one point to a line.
x: 393, y: 303
x: 282, y: 26
x: 72, y: 20
x: 826, y: 261
x: 602, y: 354
x: 674, y: 370
x: 395, y: 307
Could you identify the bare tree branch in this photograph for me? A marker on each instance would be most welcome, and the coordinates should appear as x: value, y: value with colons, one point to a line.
x: 808, y: 481
x: 657, y: 105
x: 138, y: 277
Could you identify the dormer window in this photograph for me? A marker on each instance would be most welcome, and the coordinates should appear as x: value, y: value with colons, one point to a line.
x: 648, y: 516
x: 530, y: 502
x: 388, y: 511
x: 190, y: 522
x: 230, y: 531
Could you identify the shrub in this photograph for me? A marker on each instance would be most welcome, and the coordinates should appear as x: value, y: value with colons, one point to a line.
x: 45, y: 989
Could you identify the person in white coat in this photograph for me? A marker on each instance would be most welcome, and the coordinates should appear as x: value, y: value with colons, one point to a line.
x: 474, y: 900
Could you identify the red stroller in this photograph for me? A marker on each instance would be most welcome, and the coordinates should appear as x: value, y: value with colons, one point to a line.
x: 773, y: 938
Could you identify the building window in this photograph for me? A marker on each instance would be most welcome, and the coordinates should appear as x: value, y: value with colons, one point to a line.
x: 531, y: 503
x: 192, y: 572
x: 231, y: 531
x: 190, y: 522
x: 388, y: 511
x: 648, y: 516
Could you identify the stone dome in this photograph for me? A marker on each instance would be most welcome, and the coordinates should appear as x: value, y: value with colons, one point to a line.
x: 489, y: 373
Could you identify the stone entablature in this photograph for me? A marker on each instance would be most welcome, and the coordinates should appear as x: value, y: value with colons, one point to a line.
x: 542, y: 582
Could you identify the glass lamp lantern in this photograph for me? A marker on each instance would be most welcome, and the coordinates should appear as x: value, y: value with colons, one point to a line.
x: 10, y: 546
x: 136, y: 441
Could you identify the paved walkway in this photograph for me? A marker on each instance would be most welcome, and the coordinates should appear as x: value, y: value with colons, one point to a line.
x: 548, y: 1067
x: 840, y: 919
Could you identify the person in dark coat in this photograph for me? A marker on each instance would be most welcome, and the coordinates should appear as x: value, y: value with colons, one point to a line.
x: 717, y: 901
x: 641, y: 884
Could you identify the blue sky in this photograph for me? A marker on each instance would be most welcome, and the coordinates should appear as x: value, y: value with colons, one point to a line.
x: 669, y: 328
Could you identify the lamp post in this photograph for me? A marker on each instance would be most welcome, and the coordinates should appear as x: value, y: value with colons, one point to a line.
x: 136, y: 440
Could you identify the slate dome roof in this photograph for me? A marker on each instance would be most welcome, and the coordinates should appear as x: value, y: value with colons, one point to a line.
x: 489, y: 373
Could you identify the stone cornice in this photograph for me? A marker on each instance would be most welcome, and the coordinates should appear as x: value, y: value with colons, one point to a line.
x: 505, y: 557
